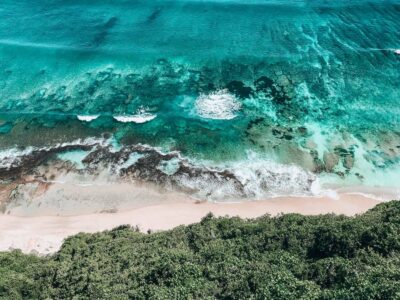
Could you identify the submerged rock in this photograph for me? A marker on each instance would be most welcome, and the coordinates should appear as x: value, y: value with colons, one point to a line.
x: 239, y: 89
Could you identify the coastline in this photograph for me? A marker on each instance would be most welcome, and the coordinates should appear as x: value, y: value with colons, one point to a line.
x: 45, y: 234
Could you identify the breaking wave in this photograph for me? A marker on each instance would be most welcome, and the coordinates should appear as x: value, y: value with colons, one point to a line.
x: 219, y: 105
x: 251, y: 178
x: 87, y: 118
x: 142, y: 116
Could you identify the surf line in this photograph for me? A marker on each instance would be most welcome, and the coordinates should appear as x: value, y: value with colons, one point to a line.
x: 397, y: 51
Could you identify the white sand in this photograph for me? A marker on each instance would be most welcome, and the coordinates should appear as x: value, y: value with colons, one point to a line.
x: 44, y: 234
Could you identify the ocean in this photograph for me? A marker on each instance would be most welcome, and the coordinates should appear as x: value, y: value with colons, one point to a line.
x: 219, y: 99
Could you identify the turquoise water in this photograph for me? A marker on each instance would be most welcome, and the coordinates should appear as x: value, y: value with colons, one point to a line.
x: 315, y: 84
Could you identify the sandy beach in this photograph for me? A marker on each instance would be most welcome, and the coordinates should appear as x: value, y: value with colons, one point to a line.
x: 44, y: 234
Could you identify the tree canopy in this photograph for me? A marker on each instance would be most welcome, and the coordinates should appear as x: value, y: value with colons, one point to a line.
x: 286, y: 257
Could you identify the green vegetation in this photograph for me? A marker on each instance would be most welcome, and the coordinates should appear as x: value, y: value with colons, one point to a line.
x: 287, y: 257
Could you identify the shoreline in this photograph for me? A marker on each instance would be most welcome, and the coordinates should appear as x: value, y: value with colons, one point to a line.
x: 45, y: 234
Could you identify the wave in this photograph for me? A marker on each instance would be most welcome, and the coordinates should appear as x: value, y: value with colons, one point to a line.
x: 250, y: 178
x: 35, y: 45
x: 135, y: 118
x: 219, y: 105
x: 62, y: 47
x: 140, y: 117
x: 87, y: 118
x: 11, y: 156
x: 14, y: 157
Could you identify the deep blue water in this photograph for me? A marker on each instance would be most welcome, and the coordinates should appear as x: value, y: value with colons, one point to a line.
x: 315, y: 84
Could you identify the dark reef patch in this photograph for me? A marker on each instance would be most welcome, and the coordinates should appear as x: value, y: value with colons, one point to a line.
x: 239, y: 89
x: 154, y: 16
x: 24, y: 164
x: 102, y: 33
x: 146, y: 164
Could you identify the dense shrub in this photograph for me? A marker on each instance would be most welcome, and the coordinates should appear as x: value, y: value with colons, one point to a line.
x: 286, y: 257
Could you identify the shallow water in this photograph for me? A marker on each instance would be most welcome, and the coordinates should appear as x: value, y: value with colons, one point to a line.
x: 249, y: 85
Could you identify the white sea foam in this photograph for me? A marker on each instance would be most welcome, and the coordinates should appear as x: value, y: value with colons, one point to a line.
x: 140, y: 117
x: 87, y: 118
x: 135, y: 118
x: 219, y: 105
x: 11, y: 156
x: 397, y: 51
x: 259, y: 179
x: 253, y: 177
x: 264, y: 178
x: 317, y: 190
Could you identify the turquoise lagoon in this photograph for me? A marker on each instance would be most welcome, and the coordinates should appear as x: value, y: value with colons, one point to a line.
x: 302, y: 86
